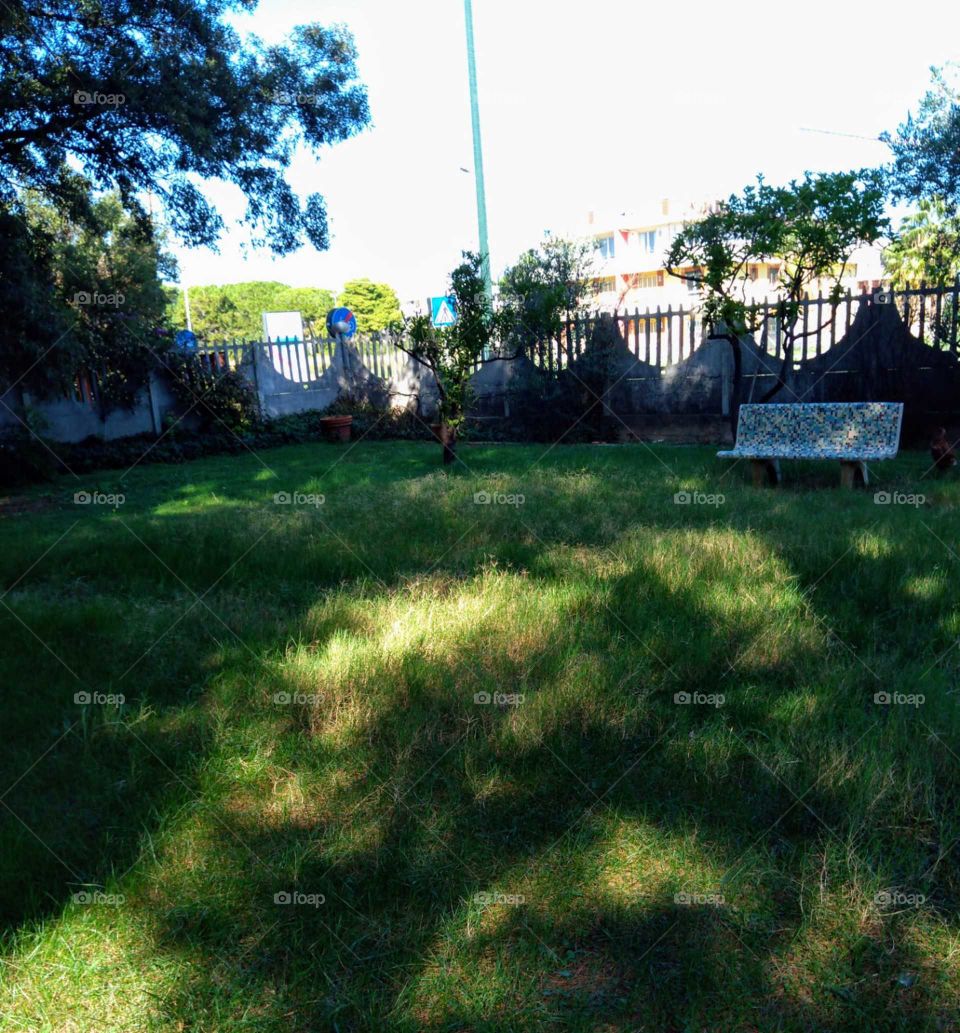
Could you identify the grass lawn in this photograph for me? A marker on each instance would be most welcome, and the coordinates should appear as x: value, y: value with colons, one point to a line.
x: 403, y: 761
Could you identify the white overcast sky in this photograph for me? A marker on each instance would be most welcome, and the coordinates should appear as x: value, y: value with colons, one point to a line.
x: 583, y: 105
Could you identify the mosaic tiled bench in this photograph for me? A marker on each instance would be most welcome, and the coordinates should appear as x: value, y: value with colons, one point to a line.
x: 852, y: 432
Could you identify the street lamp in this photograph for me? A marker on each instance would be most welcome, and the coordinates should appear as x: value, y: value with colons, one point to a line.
x: 477, y: 149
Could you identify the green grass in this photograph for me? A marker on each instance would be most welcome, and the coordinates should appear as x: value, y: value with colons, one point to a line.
x: 586, y: 854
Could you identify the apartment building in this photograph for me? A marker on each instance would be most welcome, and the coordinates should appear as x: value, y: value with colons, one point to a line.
x: 630, y: 267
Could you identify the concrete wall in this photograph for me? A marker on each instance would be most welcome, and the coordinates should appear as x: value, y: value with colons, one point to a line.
x: 878, y: 359
x: 65, y: 419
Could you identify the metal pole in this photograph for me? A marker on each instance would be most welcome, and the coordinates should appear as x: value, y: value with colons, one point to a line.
x: 477, y: 149
x: 186, y: 306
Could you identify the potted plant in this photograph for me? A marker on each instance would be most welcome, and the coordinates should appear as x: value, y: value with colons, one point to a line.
x: 336, y: 428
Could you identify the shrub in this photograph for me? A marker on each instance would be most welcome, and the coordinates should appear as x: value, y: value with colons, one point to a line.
x: 227, y: 400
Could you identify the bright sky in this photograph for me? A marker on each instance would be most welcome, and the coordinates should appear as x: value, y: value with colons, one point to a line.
x: 595, y: 105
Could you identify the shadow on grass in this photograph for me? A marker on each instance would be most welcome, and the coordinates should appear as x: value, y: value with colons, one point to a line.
x: 442, y: 800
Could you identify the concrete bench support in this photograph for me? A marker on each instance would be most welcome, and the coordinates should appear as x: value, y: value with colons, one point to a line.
x: 853, y: 474
x: 765, y: 471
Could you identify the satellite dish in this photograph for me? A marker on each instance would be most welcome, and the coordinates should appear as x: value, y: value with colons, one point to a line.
x: 341, y: 323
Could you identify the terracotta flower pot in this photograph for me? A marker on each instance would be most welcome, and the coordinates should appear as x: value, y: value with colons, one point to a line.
x: 336, y: 428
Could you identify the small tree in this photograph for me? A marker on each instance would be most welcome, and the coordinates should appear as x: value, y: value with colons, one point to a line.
x: 453, y: 353
x: 545, y: 287
x: 926, y: 248
x: 810, y: 226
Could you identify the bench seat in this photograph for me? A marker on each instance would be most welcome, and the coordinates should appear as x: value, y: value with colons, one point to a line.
x: 851, y: 432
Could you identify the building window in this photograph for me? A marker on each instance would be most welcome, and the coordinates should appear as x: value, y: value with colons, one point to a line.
x: 692, y: 279
x: 605, y: 284
x: 647, y: 240
x: 753, y: 271
x: 773, y: 275
x: 640, y: 281
x: 606, y: 246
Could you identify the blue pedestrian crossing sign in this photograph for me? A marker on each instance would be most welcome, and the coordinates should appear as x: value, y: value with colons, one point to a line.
x: 443, y: 311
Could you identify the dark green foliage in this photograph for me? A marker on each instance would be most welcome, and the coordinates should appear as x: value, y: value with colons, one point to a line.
x: 926, y: 148
x: 222, y: 400
x: 147, y: 95
x: 108, y: 267
x: 543, y: 288
x: 33, y: 346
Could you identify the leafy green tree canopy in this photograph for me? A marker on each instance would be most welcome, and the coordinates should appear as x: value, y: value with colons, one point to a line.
x: 101, y: 278
x: 375, y: 305
x: 545, y: 286
x: 927, y: 247
x: 926, y: 148
x: 148, y: 95
x: 812, y: 226
x: 234, y: 311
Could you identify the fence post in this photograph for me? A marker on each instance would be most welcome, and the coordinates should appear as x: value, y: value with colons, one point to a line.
x: 255, y: 370
x: 155, y: 417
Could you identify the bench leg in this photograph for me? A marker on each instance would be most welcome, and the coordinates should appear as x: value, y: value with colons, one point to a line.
x: 853, y: 474
x: 765, y: 471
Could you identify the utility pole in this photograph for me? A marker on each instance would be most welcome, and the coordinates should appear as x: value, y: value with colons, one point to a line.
x: 477, y: 149
x: 186, y: 305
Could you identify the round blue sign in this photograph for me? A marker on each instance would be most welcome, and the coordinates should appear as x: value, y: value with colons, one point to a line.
x: 185, y: 340
x: 341, y: 322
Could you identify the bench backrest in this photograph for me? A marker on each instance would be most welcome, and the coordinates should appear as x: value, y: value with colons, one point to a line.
x: 821, y: 430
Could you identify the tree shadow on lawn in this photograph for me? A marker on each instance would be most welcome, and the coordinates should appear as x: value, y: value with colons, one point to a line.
x: 405, y: 900
x: 391, y: 908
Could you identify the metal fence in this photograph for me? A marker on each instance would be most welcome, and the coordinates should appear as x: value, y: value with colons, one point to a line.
x: 661, y: 337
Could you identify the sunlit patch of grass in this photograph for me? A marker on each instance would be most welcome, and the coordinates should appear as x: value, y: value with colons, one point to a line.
x: 590, y: 761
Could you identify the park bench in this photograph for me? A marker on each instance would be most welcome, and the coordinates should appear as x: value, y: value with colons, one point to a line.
x: 851, y: 432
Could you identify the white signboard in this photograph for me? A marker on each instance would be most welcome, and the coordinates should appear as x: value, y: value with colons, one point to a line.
x: 282, y: 326
x: 286, y: 328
